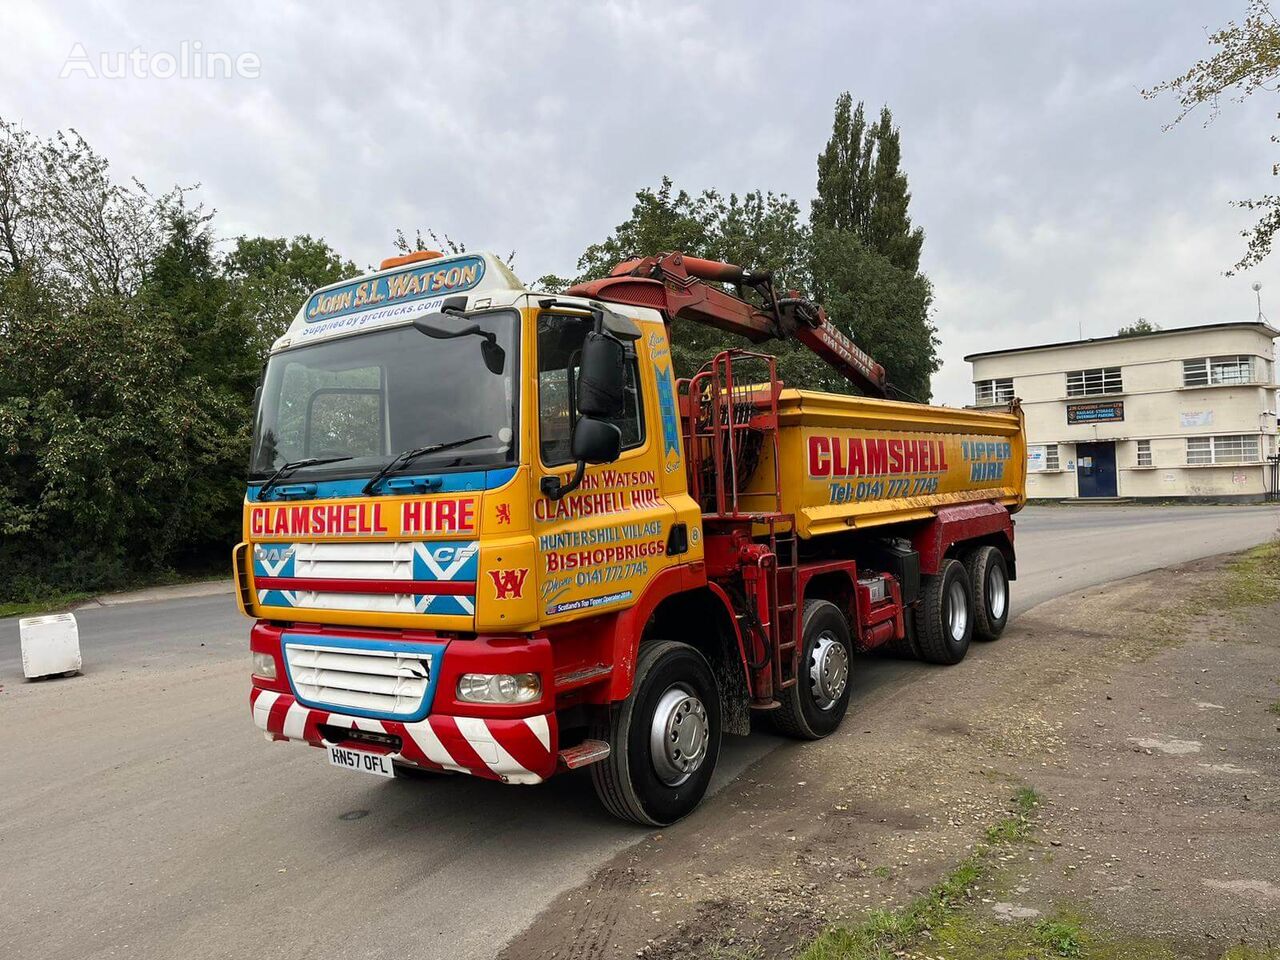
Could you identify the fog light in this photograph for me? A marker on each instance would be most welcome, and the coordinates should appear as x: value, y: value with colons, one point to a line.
x: 499, y: 687
x: 264, y: 665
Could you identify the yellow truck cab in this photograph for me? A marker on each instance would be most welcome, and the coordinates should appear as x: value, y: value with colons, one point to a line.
x: 486, y: 531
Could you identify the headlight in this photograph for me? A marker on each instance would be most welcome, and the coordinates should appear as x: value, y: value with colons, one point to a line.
x: 499, y: 687
x: 264, y: 665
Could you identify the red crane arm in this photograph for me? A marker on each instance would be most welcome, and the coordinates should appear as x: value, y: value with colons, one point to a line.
x: 683, y: 288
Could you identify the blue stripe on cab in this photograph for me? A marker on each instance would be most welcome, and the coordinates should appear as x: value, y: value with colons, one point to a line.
x: 471, y: 480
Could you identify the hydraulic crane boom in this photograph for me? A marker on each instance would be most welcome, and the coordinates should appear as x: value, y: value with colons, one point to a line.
x: 685, y: 288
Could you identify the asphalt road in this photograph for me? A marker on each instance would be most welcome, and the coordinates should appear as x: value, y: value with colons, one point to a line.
x: 142, y: 815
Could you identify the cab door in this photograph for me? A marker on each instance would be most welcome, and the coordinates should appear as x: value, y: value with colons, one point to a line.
x: 600, y: 546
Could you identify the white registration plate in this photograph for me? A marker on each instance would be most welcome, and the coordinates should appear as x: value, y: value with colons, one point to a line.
x: 376, y: 763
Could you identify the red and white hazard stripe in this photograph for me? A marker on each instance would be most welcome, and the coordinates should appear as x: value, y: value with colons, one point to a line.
x: 514, y: 751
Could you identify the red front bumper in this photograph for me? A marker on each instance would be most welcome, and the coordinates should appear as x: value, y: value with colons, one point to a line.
x: 512, y: 743
x: 513, y: 751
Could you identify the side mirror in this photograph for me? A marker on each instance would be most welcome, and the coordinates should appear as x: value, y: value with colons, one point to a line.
x: 601, y: 373
x: 596, y: 441
x: 495, y: 358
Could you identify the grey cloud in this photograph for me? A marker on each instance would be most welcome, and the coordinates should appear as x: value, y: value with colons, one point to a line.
x: 1050, y: 196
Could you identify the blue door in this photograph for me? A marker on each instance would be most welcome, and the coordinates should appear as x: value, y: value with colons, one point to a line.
x: 1096, y: 469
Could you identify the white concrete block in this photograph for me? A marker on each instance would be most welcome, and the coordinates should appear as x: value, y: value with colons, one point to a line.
x: 49, y: 644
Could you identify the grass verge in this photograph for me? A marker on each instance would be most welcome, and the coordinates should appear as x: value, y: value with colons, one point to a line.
x: 886, y: 934
x: 1253, y: 578
x: 1250, y: 579
x: 946, y: 920
x: 944, y: 923
x: 57, y: 601
x: 1246, y: 952
x: 53, y: 602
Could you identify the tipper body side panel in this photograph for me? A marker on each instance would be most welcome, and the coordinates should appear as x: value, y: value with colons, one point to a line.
x: 853, y: 462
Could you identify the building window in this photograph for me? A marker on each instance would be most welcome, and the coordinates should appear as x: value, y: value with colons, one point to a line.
x: 1214, y: 371
x: 1199, y: 450
x: 1144, y: 453
x: 1042, y: 457
x: 1234, y: 448
x: 1092, y: 383
x: 988, y: 392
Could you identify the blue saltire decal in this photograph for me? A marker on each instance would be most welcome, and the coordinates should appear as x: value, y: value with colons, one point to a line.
x: 667, y: 404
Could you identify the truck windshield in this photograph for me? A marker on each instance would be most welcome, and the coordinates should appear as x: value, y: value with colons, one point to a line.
x: 372, y: 396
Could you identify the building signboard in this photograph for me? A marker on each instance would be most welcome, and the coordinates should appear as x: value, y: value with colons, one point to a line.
x: 1110, y: 411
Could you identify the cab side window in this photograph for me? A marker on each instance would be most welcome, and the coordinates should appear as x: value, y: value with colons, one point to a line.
x: 560, y: 340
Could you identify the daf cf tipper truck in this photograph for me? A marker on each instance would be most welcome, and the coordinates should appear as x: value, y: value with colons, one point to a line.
x: 489, y: 532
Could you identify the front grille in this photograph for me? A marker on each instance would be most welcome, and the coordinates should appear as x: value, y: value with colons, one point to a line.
x: 387, y: 682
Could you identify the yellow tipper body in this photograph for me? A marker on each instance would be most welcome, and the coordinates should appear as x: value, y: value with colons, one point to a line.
x: 853, y: 462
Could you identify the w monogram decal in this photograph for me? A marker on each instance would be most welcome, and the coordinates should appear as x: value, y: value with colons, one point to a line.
x: 509, y: 583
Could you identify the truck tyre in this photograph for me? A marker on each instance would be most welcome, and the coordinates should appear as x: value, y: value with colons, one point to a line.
x: 945, y: 625
x: 664, y: 739
x: 817, y: 703
x: 989, y: 585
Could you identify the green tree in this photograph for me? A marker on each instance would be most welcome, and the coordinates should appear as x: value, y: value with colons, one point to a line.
x: 216, y: 360
x: 66, y: 222
x: 129, y: 352
x: 1139, y: 327
x: 865, y: 252
x: 1247, y: 59
x: 844, y: 172
x: 19, y: 228
x: 883, y: 308
x: 859, y: 255
x: 271, y: 278
x: 123, y: 419
x: 861, y: 188
x: 759, y: 230
x: 428, y: 239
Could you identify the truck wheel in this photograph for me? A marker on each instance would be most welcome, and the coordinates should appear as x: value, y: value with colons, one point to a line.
x: 664, y: 738
x: 817, y: 703
x: 989, y: 585
x: 945, y: 625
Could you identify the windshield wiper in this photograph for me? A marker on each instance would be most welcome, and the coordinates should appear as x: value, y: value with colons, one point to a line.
x: 408, y: 456
x: 290, y: 467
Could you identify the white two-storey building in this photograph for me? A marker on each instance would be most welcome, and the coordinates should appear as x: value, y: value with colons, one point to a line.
x: 1186, y: 413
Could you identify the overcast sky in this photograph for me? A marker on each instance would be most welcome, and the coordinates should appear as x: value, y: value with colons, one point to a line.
x: 1051, y: 199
